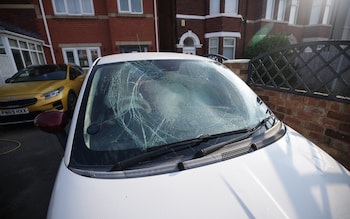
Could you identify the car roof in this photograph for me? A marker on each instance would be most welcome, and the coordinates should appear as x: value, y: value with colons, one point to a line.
x: 146, y: 56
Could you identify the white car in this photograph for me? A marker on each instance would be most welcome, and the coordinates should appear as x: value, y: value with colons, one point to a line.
x: 167, y: 135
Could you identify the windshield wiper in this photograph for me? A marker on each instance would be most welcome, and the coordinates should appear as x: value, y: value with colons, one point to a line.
x: 208, y: 150
x: 177, y: 146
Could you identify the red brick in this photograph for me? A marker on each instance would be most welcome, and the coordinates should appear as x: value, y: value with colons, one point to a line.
x: 264, y: 98
x: 294, y: 105
x: 316, y: 102
x: 279, y: 115
x: 315, y: 110
x: 346, y: 108
x: 341, y: 146
x: 323, y: 122
x: 259, y: 90
x: 344, y: 160
x: 277, y: 101
x: 330, y: 123
x: 304, y: 116
x: 293, y: 121
x: 310, y: 101
x: 318, y: 138
x: 337, y: 135
x: 330, y: 150
x: 284, y: 110
x: 271, y: 106
x: 323, y: 103
x: 271, y: 93
x: 339, y: 116
x: 289, y: 111
x: 344, y: 127
x: 281, y: 109
x: 335, y: 106
x: 297, y: 98
x: 315, y: 128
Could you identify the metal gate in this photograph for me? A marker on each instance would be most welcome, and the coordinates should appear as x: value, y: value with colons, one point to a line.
x: 319, y: 69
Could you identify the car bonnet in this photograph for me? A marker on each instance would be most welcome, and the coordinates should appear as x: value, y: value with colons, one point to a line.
x: 292, y: 178
x: 28, y: 89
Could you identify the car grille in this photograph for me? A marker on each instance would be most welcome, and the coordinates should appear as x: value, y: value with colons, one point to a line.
x: 58, y: 105
x: 12, y: 104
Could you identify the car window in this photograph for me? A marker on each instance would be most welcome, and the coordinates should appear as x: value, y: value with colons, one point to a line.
x: 74, y: 73
x: 40, y: 73
x: 144, y: 104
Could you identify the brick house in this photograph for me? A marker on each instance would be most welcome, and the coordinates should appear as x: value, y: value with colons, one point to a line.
x: 67, y: 31
x: 226, y: 27
x: 77, y: 31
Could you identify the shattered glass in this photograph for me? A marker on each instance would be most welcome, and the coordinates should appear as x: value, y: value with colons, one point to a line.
x: 144, y: 104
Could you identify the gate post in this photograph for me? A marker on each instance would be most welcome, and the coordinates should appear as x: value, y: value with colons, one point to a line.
x: 239, y: 67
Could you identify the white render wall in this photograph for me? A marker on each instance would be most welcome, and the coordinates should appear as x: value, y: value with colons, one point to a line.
x: 6, y: 69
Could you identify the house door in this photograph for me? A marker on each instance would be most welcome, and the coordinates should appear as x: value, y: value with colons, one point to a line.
x: 189, y: 42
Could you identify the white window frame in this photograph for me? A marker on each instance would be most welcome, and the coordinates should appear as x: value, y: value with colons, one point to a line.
x: 34, y: 49
x: 346, y: 27
x: 214, y: 7
x: 76, y: 55
x: 231, y: 6
x: 233, y: 47
x: 80, y: 6
x: 293, y: 12
x: 130, y: 8
x: 211, y: 46
x: 315, y: 12
x: 270, y: 9
x: 282, y: 4
x: 327, y: 12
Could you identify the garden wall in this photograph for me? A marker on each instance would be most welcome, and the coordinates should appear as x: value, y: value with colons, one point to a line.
x: 324, y: 122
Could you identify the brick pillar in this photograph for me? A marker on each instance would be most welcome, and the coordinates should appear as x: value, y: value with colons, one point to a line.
x: 239, y: 66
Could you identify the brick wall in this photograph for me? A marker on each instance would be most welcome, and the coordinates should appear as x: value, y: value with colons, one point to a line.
x: 324, y: 122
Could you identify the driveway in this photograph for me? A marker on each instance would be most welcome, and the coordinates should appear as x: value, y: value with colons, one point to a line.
x: 29, y: 160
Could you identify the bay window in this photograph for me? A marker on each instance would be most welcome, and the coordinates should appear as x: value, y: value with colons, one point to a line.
x: 214, y: 46
x: 315, y: 12
x: 281, y: 9
x: 327, y: 12
x: 214, y: 7
x: 293, y: 12
x: 231, y: 6
x: 270, y: 8
x: 229, y: 47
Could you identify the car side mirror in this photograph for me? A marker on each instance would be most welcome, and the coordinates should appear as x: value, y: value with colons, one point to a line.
x: 53, y: 122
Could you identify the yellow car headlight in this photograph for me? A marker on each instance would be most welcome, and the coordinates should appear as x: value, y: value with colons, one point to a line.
x: 53, y: 93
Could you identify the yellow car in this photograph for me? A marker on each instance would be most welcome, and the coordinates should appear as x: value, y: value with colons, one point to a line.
x: 39, y: 88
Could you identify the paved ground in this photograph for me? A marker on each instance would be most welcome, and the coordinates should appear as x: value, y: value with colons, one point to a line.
x: 29, y: 160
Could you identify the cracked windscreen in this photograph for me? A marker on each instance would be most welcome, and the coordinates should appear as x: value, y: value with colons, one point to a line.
x: 144, y: 104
